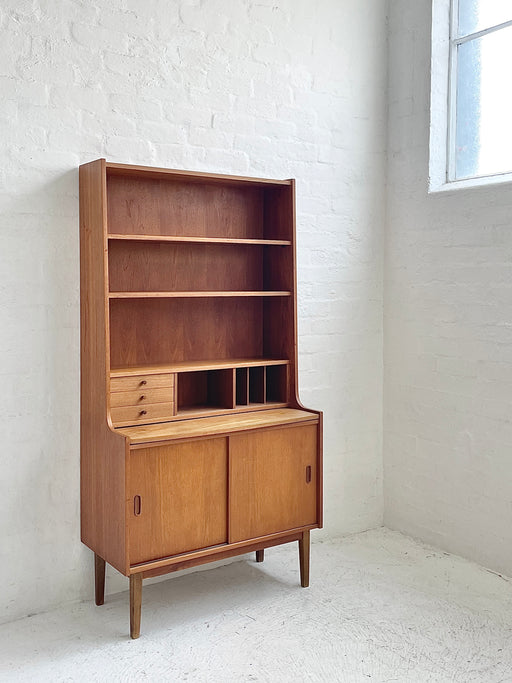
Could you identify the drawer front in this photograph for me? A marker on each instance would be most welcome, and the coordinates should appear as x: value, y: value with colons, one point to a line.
x: 141, y: 397
x: 136, y: 382
x: 143, y: 414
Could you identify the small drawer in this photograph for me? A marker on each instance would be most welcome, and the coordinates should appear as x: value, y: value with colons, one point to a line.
x: 147, y: 413
x: 136, y: 382
x: 141, y: 397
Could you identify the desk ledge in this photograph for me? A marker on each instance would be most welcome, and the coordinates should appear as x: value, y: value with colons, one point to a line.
x: 215, y: 426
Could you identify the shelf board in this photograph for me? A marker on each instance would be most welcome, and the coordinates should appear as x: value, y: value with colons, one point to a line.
x: 201, y: 240
x: 211, y: 426
x: 195, y: 366
x: 193, y: 294
x: 115, y: 169
x: 188, y: 412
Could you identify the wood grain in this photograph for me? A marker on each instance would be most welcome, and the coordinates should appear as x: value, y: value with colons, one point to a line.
x: 200, y: 240
x: 268, y: 490
x: 189, y: 366
x: 160, y: 331
x: 136, y: 381
x: 142, y: 397
x: 136, y: 171
x: 102, y: 451
x: 225, y: 424
x: 135, y: 604
x: 142, y: 414
x: 188, y: 292
x: 183, y: 491
x: 169, y: 267
x: 221, y: 552
x: 304, y: 552
x: 192, y: 412
x: 99, y: 579
x: 144, y: 205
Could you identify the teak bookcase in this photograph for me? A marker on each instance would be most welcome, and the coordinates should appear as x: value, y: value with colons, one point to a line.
x: 194, y: 445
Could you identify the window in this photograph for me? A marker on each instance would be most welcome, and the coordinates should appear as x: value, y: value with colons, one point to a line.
x: 476, y: 100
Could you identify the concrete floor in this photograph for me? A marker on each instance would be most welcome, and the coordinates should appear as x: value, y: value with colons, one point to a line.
x: 381, y: 607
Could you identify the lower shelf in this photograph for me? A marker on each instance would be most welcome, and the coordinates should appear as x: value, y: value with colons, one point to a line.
x: 215, y: 553
x: 240, y: 388
x: 204, y: 411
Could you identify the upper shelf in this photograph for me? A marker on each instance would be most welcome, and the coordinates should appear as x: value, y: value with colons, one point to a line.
x: 207, y: 240
x: 192, y: 294
x: 130, y: 170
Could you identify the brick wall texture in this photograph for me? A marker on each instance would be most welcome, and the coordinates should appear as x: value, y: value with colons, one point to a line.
x: 277, y: 88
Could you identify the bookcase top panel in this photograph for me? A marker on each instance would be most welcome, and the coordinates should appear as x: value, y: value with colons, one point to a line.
x: 189, y: 176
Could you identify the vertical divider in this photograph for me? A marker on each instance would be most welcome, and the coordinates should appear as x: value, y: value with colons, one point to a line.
x: 228, y: 489
x: 175, y: 395
x: 232, y: 385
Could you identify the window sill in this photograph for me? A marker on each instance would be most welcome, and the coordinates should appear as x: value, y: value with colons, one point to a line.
x: 467, y: 183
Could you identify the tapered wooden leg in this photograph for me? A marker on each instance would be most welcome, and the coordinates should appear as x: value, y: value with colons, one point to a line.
x: 135, y: 604
x: 260, y: 555
x: 99, y: 579
x: 304, y: 559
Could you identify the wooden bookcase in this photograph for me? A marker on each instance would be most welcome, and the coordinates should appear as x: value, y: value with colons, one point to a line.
x: 194, y: 445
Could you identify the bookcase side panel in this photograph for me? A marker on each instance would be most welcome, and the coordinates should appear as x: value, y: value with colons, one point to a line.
x: 102, y: 459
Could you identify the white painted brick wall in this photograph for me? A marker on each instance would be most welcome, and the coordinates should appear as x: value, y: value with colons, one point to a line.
x: 448, y: 332
x: 278, y: 88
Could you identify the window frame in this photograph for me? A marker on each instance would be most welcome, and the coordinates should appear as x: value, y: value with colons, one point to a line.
x: 443, y: 102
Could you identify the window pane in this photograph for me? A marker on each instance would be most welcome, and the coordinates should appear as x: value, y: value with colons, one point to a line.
x: 483, y: 137
x: 475, y: 15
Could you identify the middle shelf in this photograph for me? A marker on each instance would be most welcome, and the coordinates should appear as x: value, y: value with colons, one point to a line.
x: 183, y: 269
x: 192, y: 294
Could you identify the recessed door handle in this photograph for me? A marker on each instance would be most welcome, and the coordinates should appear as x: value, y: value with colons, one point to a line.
x: 308, y: 474
x: 136, y: 506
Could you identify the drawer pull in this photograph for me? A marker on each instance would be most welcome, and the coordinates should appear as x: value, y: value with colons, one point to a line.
x: 143, y: 412
x: 143, y: 382
x: 142, y: 398
x: 136, y: 506
x: 308, y: 474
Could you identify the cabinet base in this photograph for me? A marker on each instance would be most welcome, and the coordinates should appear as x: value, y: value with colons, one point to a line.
x: 303, y: 539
